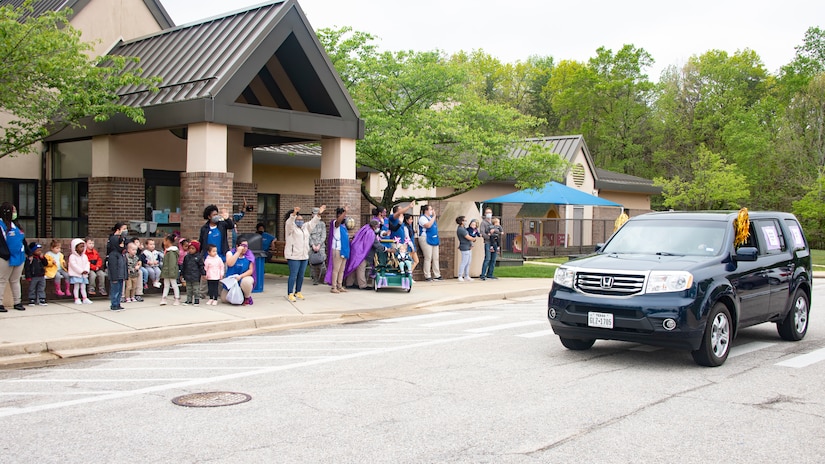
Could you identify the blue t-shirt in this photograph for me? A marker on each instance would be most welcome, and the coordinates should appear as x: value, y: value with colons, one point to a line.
x: 241, y: 266
x: 213, y: 237
x: 395, y: 224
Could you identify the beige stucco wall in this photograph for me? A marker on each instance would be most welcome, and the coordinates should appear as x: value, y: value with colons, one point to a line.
x: 480, y: 193
x: 130, y: 154
x: 278, y: 179
x: 633, y: 201
x: 107, y: 21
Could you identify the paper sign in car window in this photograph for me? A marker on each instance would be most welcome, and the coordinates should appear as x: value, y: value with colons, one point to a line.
x: 771, y: 237
x: 797, y: 236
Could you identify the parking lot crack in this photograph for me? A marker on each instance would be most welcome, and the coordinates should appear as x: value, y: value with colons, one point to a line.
x: 609, y: 422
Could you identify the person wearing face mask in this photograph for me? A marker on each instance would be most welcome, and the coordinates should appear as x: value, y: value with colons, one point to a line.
x: 296, y: 250
x: 216, y: 231
x: 364, y: 246
x: 489, y: 251
x: 116, y: 264
x: 13, y: 249
x: 338, y: 245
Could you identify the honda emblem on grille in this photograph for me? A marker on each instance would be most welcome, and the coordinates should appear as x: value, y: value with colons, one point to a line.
x: 607, y: 282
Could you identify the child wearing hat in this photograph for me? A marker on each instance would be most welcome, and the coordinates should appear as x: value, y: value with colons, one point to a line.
x: 191, y: 273
x: 35, y: 271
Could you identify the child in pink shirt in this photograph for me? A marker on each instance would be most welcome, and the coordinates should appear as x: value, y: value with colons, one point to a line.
x: 214, y: 267
x: 79, y: 271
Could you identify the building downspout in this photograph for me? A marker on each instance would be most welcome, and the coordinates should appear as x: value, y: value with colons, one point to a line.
x: 43, y: 197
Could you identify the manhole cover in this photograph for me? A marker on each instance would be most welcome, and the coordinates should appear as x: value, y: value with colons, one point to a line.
x: 211, y: 399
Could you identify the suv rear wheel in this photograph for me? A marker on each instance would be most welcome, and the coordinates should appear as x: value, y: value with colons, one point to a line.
x: 577, y: 344
x: 795, y: 325
x: 716, y: 340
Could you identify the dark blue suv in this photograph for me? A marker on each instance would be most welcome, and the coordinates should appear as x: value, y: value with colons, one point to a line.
x: 677, y: 280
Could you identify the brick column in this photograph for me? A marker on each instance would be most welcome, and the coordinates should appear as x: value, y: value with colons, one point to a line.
x: 199, y: 189
x: 115, y: 199
x: 241, y: 190
x: 336, y: 193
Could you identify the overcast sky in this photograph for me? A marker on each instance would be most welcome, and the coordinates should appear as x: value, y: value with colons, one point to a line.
x: 515, y: 29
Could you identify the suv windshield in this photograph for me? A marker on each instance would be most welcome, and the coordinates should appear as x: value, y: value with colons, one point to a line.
x: 684, y: 238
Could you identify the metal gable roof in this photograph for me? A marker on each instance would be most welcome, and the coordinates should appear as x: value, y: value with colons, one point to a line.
x: 193, y: 59
x: 618, y: 182
x: 41, y: 6
x: 261, y: 69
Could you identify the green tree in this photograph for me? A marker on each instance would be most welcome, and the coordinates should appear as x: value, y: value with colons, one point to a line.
x: 425, y: 126
x: 810, y: 210
x: 715, y: 185
x: 49, y: 83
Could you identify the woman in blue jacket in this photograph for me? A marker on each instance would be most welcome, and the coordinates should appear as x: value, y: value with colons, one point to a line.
x: 13, y: 248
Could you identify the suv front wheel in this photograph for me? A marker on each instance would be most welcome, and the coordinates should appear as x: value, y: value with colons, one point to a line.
x: 577, y: 344
x: 795, y: 325
x: 716, y: 341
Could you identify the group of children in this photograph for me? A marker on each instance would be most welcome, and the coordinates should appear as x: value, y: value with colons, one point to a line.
x: 146, y: 266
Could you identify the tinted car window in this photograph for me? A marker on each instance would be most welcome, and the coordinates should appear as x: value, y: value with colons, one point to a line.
x: 797, y: 239
x: 771, y: 239
x: 691, y: 238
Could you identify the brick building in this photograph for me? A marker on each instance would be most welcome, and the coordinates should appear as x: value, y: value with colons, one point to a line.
x: 253, y: 78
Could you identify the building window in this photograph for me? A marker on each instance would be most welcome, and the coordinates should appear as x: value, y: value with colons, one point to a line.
x: 70, y: 208
x: 268, y: 213
x: 71, y: 169
x: 23, y: 195
x: 163, y: 200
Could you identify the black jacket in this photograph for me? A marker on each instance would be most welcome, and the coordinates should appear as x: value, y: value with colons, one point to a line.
x: 225, y: 227
x: 115, y: 261
x: 35, y: 266
x: 192, y: 268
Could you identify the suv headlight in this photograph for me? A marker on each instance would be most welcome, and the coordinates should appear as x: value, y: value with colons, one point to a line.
x: 668, y: 281
x: 564, y: 277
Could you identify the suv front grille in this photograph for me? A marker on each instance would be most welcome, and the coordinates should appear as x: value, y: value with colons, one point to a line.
x: 597, y: 283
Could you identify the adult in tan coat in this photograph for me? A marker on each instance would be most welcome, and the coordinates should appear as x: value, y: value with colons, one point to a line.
x: 296, y: 250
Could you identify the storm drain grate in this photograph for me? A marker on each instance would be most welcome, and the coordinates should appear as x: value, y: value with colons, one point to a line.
x: 211, y: 399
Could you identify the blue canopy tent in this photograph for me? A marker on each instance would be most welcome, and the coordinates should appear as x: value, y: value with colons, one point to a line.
x: 553, y: 193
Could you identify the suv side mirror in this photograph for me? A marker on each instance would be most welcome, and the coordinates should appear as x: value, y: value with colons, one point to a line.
x: 747, y: 254
x: 599, y: 247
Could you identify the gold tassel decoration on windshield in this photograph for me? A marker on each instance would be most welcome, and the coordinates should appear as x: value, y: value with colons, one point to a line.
x: 741, y: 227
x: 620, y: 220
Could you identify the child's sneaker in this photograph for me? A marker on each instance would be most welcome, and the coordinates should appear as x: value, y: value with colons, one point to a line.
x: 77, y: 301
x: 197, y: 302
x: 163, y: 301
x: 187, y: 302
x: 92, y: 293
x: 176, y: 302
x: 42, y: 303
x: 139, y: 298
x: 460, y: 279
x: 87, y: 301
x: 32, y: 303
x: 156, y: 284
x: 249, y: 301
x: 103, y: 293
x: 145, y: 286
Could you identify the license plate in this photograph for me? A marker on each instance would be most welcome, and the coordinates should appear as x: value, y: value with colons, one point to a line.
x: 601, y: 320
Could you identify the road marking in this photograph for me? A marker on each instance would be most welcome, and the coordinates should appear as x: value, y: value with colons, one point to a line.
x: 182, y: 379
x: 254, y: 350
x: 72, y: 393
x: 418, y: 318
x: 739, y: 350
x: 238, y: 375
x: 511, y: 325
x: 211, y: 358
x: 299, y: 342
x: 541, y: 333
x: 460, y: 321
x: 804, y: 360
x: 124, y: 369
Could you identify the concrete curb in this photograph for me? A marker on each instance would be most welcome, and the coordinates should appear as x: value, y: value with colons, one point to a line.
x: 44, y: 351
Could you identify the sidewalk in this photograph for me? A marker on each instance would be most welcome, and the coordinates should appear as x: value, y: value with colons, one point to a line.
x: 63, y: 329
